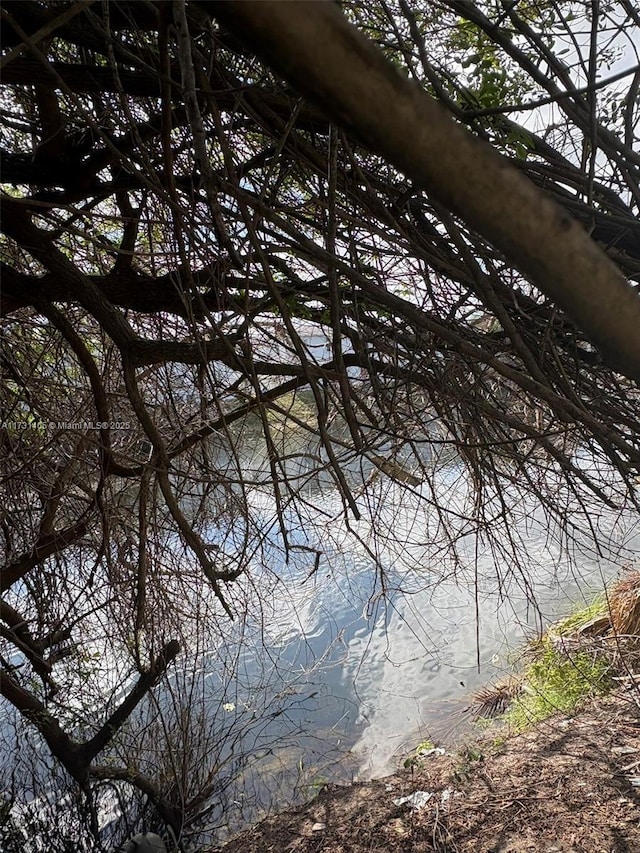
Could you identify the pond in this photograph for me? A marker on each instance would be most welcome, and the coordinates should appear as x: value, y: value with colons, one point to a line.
x: 353, y: 657
x: 362, y: 637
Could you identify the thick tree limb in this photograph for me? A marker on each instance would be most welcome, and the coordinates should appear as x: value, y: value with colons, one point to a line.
x: 16, y: 222
x: 44, y: 547
x: 74, y: 756
x: 168, y: 813
x: 147, y: 680
x: 67, y: 751
x: 46, y: 30
x: 18, y: 633
x: 126, y: 289
x: 314, y: 47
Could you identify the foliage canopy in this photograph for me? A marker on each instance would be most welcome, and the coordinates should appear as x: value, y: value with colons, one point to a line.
x: 195, y: 257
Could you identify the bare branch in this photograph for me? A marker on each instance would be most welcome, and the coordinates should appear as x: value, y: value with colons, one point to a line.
x: 325, y: 56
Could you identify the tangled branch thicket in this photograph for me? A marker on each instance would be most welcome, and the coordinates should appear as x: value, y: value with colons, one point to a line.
x: 197, y: 266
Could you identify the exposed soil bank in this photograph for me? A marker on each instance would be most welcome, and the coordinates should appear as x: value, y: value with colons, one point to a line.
x: 570, y: 784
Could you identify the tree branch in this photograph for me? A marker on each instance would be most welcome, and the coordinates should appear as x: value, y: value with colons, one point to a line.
x: 146, y: 682
x: 45, y: 547
x: 169, y: 814
x: 314, y: 46
x: 127, y: 289
x: 68, y: 752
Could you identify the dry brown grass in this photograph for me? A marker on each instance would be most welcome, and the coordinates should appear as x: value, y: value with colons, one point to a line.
x: 494, y: 699
x: 624, y: 608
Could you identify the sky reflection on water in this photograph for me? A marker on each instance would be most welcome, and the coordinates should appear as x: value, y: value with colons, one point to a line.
x: 405, y: 663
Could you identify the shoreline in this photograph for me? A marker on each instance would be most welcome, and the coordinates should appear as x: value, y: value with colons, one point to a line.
x: 572, y: 783
x: 537, y: 780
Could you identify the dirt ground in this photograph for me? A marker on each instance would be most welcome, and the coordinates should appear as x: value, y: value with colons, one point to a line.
x: 571, y: 784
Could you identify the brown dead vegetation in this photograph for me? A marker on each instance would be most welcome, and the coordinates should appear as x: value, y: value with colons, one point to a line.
x: 569, y: 785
